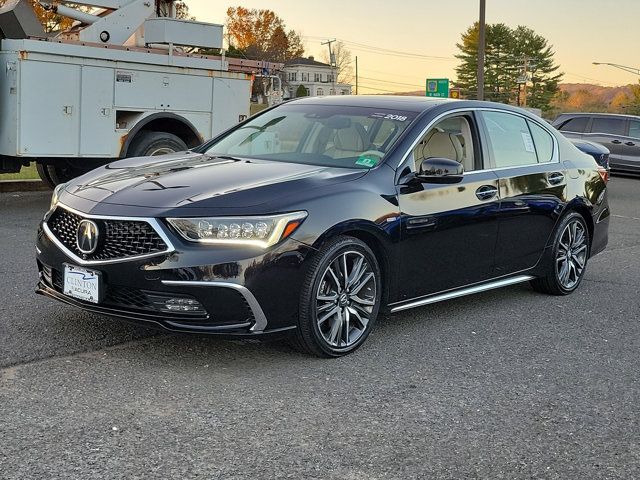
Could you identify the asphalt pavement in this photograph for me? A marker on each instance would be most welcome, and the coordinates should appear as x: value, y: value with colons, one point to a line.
x: 504, y: 384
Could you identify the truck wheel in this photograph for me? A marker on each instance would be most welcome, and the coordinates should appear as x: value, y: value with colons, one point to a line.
x: 43, y: 173
x: 150, y: 144
x: 61, y: 172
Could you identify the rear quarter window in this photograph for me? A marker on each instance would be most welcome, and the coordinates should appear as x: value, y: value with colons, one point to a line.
x: 543, y: 142
x: 577, y: 125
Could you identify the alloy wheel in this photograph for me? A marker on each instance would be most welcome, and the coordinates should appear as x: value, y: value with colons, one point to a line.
x: 345, y: 299
x: 571, y: 257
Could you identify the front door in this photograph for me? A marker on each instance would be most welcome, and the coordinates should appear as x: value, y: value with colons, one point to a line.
x: 448, y: 230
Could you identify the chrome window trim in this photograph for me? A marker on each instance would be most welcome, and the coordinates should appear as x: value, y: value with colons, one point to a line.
x: 151, y: 221
x: 554, y: 159
x: 259, y: 316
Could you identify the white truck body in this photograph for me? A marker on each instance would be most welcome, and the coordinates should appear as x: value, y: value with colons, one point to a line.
x: 78, y: 100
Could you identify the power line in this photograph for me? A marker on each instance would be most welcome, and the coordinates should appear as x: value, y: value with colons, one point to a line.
x: 384, y: 51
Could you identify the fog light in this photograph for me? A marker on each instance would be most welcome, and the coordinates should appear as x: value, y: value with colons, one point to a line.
x: 184, y: 304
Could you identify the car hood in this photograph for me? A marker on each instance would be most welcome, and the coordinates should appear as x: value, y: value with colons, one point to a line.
x: 198, y: 180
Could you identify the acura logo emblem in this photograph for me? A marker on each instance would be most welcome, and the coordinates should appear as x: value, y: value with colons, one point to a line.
x: 87, y: 236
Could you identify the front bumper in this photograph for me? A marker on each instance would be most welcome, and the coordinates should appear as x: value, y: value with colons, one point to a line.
x: 244, y: 291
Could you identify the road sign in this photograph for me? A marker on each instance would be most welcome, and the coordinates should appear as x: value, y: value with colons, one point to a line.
x: 454, y: 93
x: 438, y: 87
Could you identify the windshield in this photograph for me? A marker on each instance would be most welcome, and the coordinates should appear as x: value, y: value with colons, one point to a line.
x: 328, y: 135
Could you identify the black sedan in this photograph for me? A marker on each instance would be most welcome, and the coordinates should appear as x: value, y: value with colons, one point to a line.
x: 309, y: 219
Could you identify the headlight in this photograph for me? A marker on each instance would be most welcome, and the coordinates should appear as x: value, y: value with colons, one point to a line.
x: 262, y: 231
x: 56, y: 195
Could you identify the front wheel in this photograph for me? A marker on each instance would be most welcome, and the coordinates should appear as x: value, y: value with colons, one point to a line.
x: 568, y: 260
x: 340, y: 298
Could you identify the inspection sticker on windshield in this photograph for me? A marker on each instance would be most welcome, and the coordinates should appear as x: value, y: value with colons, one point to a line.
x: 366, y: 161
x: 528, y: 142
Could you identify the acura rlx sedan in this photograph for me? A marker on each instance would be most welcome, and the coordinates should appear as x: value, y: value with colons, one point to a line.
x: 310, y: 219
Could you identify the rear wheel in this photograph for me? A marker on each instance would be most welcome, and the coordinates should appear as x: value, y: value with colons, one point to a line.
x: 150, y: 144
x: 568, y: 260
x: 340, y: 299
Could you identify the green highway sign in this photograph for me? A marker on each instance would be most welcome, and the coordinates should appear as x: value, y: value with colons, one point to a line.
x: 438, y: 87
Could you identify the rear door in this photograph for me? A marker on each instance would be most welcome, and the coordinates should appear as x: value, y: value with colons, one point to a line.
x: 532, y: 185
x: 610, y: 132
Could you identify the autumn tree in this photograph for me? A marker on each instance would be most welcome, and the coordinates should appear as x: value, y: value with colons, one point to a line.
x: 262, y: 35
x: 344, y: 62
x: 506, y: 51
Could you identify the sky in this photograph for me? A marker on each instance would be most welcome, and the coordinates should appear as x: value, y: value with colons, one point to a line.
x: 581, y: 32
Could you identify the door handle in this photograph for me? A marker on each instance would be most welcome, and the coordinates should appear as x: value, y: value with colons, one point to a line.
x: 630, y: 144
x: 617, y: 142
x: 486, y: 192
x: 555, y: 178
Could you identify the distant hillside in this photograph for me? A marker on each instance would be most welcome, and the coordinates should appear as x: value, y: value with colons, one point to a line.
x: 602, y: 94
x: 579, y: 97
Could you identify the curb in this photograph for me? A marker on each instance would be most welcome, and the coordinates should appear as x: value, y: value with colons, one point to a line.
x: 22, y: 186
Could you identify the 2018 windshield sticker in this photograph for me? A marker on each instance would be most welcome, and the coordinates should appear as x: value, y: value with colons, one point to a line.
x: 389, y: 116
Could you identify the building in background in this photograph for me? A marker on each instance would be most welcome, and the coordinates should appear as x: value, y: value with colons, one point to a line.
x: 316, y: 78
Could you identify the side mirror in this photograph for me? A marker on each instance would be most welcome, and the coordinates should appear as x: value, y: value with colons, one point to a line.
x: 440, y: 170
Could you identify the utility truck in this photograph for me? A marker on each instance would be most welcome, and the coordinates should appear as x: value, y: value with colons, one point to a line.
x: 125, y: 80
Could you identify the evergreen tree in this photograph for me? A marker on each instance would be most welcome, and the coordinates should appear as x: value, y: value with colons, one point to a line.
x: 505, y: 53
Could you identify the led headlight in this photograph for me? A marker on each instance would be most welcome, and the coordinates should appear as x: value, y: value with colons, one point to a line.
x: 262, y: 231
x: 56, y: 195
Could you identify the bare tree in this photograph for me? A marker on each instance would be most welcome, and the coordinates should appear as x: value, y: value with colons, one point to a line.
x: 344, y: 63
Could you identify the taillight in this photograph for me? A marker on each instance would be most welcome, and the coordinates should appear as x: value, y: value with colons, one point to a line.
x: 604, y: 174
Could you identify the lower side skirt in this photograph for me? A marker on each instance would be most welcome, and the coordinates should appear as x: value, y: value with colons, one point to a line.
x: 461, y: 292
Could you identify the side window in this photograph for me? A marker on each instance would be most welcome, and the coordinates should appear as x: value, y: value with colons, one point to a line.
x: 543, y: 142
x: 451, y: 138
x: 577, y: 124
x: 634, y: 129
x: 612, y: 126
x: 510, y: 139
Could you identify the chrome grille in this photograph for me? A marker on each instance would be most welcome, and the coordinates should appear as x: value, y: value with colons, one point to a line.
x: 118, y: 239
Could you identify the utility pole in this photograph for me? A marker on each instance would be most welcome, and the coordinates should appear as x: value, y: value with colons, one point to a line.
x: 356, y: 75
x: 332, y: 62
x: 481, y: 45
x: 524, y: 79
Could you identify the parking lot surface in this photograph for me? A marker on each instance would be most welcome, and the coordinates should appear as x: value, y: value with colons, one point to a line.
x: 504, y: 384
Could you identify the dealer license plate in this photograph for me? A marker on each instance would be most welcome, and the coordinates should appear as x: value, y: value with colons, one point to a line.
x: 82, y: 283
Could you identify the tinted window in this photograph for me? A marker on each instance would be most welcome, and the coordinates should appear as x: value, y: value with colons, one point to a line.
x: 613, y: 126
x: 578, y: 124
x: 511, y: 140
x: 543, y: 142
x: 634, y: 129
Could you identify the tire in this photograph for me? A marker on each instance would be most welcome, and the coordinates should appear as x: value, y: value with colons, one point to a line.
x: 149, y: 144
x: 60, y: 172
x: 565, y: 272
x: 43, y: 173
x: 323, y: 333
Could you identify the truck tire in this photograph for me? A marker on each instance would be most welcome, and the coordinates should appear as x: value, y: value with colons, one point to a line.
x: 43, y: 173
x: 60, y: 172
x: 149, y: 144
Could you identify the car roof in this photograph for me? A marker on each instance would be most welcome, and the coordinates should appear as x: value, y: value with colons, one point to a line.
x: 401, y: 102
x: 597, y: 114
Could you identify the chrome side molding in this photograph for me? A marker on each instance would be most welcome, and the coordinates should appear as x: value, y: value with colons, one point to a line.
x: 462, y: 292
x: 258, y: 314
